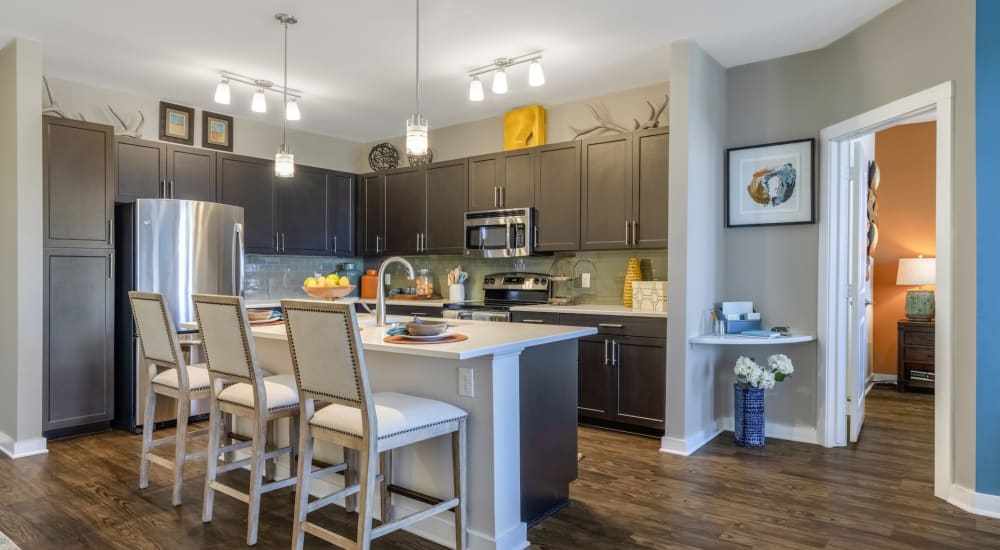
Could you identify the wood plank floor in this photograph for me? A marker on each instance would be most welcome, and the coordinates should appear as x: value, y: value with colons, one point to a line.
x: 877, y: 494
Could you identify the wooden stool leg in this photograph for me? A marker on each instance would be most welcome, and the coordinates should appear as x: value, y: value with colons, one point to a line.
x: 351, y: 478
x: 293, y: 442
x: 227, y: 428
x: 215, y: 426
x: 366, y: 500
x: 180, y: 445
x: 302, y: 489
x: 386, y: 497
x: 271, y: 465
x: 257, y: 468
x: 147, y: 437
x: 459, y: 443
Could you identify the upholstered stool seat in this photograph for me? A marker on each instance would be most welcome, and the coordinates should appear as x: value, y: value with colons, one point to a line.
x: 197, y: 378
x: 280, y: 389
x: 397, y: 413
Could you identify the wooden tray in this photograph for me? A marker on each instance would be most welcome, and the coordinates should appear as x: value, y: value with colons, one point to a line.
x: 450, y: 339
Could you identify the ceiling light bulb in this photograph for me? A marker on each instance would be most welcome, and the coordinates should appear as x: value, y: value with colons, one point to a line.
x: 535, y: 75
x: 500, y: 82
x: 292, y: 110
x: 284, y: 163
x: 259, y: 103
x: 476, y: 89
x: 222, y: 92
x: 416, y: 135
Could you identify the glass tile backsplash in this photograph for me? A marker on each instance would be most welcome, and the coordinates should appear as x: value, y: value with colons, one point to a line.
x: 277, y: 277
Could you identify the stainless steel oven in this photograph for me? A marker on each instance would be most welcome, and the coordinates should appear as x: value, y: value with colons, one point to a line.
x: 502, y: 291
x: 499, y: 233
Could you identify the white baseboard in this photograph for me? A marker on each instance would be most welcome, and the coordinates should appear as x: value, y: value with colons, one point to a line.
x: 975, y: 503
x: 777, y: 430
x: 884, y: 378
x: 687, y: 446
x: 23, y: 448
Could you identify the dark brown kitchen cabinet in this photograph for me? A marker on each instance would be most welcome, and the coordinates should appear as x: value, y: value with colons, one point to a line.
x: 141, y: 169
x: 340, y: 213
x: 557, y: 197
x: 624, y: 185
x: 371, y: 210
x: 502, y: 180
x: 594, y: 383
x: 249, y: 182
x: 484, y: 182
x: 190, y: 173
x: 639, y: 367
x: 302, y: 208
x: 405, y: 211
x: 78, y: 338
x: 78, y: 182
x: 650, y: 178
x: 606, y: 192
x: 447, y: 188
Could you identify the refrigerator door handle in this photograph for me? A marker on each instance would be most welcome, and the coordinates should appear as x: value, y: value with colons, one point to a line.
x: 238, y: 272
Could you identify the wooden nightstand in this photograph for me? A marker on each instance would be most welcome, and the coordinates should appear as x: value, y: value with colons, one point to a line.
x: 916, y: 355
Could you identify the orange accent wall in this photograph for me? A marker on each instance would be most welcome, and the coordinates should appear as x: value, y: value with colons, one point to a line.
x: 906, y: 215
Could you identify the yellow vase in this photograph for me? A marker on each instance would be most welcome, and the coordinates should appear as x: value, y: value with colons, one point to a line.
x: 633, y: 272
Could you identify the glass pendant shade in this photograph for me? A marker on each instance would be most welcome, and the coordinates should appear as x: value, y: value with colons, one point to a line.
x: 222, y: 92
x: 500, y: 82
x: 476, y: 89
x: 284, y: 163
x: 535, y: 75
x: 416, y: 135
x: 292, y: 110
x: 259, y: 103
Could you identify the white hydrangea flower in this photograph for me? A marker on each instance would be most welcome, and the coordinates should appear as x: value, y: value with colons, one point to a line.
x: 756, y: 376
x: 744, y: 368
x: 766, y: 380
x: 780, y: 363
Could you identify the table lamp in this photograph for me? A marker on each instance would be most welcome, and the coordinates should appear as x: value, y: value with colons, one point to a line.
x: 917, y: 272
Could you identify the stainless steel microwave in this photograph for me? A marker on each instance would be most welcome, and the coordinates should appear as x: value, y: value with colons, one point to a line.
x: 499, y: 233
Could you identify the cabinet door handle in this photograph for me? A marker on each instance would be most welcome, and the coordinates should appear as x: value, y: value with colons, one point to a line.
x: 334, y: 244
x: 496, y: 197
x: 378, y: 241
x: 610, y: 325
x: 628, y: 238
x: 171, y: 182
x: 615, y: 349
x: 162, y: 191
x: 277, y: 242
x: 111, y: 265
x: 503, y: 196
x: 536, y: 321
x: 111, y: 231
x: 605, y: 351
x: 423, y: 242
x: 635, y: 233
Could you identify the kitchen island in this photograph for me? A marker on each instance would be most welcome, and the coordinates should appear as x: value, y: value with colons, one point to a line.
x: 522, y: 421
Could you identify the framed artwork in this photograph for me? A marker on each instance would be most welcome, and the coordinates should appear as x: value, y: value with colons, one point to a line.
x: 176, y: 123
x: 771, y: 184
x: 216, y: 131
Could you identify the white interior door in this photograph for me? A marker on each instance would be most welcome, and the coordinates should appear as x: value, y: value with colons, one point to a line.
x: 860, y: 290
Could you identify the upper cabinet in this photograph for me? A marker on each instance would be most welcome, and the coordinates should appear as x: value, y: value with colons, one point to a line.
x: 155, y: 170
x: 557, y: 197
x: 405, y: 211
x: 79, y: 183
x: 624, y: 185
x: 302, y: 210
x: 190, y: 173
x: 447, y: 188
x: 371, y: 215
x: 249, y: 182
x: 502, y: 180
x: 341, y: 191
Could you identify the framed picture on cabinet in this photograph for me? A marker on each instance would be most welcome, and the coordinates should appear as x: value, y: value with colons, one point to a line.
x: 176, y: 123
x: 771, y: 184
x: 216, y: 131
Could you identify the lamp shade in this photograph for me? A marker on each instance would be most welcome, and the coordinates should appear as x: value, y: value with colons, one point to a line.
x: 916, y: 271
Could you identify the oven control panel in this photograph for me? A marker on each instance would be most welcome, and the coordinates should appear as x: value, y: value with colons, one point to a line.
x: 516, y: 281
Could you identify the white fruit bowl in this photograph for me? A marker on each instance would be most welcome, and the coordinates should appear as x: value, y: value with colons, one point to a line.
x: 328, y: 292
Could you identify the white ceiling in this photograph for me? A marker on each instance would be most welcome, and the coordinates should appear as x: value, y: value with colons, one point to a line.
x: 354, y: 60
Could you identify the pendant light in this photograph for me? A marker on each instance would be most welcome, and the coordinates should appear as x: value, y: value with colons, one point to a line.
x: 284, y: 160
x: 476, y: 89
x: 416, y: 127
x: 292, y: 110
x: 222, y: 92
x: 259, y: 103
x: 535, y: 75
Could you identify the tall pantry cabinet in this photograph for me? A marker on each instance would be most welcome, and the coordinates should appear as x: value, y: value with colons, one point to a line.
x: 78, y: 299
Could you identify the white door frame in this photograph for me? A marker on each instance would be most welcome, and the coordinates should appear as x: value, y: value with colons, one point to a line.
x: 833, y: 320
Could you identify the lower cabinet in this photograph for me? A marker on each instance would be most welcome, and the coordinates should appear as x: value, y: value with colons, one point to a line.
x: 622, y: 369
x: 78, y: 371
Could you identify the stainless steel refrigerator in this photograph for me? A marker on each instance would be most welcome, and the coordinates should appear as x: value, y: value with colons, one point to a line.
x: 177, y: 248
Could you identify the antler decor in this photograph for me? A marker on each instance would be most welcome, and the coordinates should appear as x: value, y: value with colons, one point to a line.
x: 605, y: 124
x: 49, y: 106
x: 126, y: 131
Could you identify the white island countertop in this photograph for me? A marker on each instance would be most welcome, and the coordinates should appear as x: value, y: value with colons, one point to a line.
x: 440, y: 302
x: 484, y: 337
x: 589, y: 309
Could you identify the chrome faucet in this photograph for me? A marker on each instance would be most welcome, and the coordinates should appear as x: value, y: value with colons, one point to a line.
x: 380, y: 289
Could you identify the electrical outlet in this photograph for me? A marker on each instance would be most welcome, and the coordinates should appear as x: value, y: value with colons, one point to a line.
x: 466, y: 383
x: 585, y: 280
x: 388, y: 279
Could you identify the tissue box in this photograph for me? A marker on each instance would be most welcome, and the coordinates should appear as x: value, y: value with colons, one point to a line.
x: 649, y: 296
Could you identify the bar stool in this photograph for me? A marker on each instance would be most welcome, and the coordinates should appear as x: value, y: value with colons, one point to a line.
x: 239, y: 388
x: 329, y: 367
x: 160, y: 348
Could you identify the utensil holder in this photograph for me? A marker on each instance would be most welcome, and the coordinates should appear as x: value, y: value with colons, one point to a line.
x: 456, y: 293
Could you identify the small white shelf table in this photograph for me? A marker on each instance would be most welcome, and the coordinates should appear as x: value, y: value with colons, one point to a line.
x: 740, y: 340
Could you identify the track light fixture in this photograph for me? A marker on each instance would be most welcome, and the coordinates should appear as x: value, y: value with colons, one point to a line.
x: 536, y: 77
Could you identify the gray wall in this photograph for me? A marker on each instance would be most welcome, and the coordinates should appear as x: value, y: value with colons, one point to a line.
x: 21, y: 248
x: 912, y: 47
x: 695, y: 261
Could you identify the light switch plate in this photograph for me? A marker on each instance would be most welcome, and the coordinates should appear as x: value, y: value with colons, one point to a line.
x: 466, y: 383
x: 585, y: 280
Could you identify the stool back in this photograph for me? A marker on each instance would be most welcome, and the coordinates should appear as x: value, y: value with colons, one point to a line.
x: 325, y: 343
x: 157, y: 337
x: 229, y: 346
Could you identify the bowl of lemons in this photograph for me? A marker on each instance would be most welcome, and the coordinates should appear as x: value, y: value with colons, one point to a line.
x: 331, y: 287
